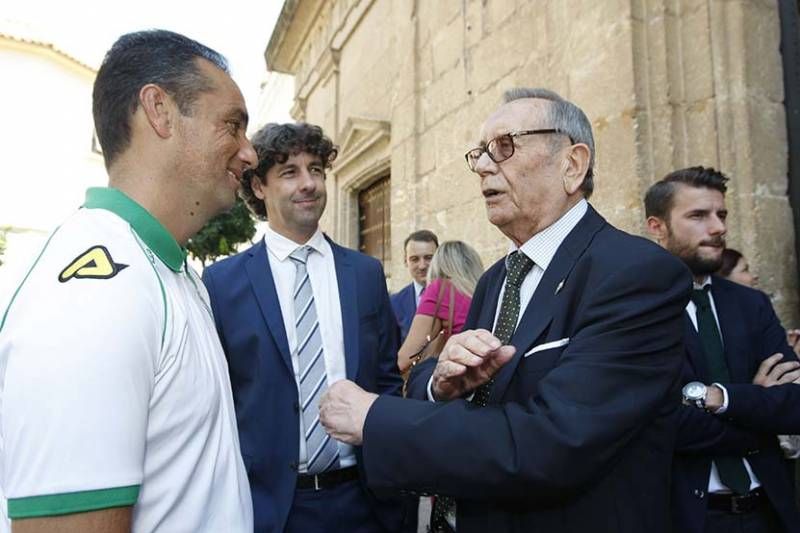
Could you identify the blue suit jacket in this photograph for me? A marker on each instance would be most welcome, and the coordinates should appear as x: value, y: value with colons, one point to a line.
x: 404, y: 304
x: 575, y: 438
x: 751, y: 332
x: 248, y: 318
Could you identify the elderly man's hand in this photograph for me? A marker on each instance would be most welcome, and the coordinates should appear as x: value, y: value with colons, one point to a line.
x: 343, y: 410
x: 468, y: 360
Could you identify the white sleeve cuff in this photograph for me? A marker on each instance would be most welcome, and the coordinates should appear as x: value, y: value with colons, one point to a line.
x: 724, y: 406
x: 430, y: 390
x: 432, y: 399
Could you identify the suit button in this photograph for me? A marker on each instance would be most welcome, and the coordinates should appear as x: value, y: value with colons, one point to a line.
x: 293, y: 466
x: 296, y: 407
x: 699, y: 493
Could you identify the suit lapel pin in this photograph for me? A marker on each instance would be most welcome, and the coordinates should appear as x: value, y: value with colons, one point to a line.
x: 559, y: 286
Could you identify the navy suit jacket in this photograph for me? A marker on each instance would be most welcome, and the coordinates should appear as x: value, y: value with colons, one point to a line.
x: 751, y: 332
x: 248, y: 317
x: 575, y: 438
x: 404, y: 304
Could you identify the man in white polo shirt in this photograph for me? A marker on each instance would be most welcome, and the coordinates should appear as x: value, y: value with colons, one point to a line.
x: 116, y: 413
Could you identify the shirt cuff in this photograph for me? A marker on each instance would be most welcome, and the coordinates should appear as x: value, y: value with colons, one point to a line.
x: 724, y: 407
x: 432, y: 399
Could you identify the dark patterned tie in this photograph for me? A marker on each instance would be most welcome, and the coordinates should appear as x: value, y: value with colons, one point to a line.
x: 731, y: 469
x: 519, y: 265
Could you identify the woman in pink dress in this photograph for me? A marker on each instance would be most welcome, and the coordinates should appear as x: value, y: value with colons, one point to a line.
x: 443, y: 305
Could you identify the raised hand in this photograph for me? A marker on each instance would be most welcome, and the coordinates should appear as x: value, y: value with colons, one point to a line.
x: 468, y: 360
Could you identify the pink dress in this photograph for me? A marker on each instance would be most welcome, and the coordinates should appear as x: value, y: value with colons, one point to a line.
x: 427, y: 304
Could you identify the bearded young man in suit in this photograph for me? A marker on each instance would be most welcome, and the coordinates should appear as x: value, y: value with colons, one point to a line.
x: 295, y: 313
x: 562, y: 419
x: 729, y: 475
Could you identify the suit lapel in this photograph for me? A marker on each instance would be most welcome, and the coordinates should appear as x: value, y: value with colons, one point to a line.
x: 411, y: 299
x: 539, y: 312
x: 486, y: 317
x: 694, y: 349
x: 348, y: 300
x: 260, y: 274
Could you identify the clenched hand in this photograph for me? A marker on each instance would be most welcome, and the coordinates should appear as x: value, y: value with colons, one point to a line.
x: 468, y: 360
x: 343, y: 410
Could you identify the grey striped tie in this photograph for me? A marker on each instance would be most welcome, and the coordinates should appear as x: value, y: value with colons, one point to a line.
x: 323, y: 452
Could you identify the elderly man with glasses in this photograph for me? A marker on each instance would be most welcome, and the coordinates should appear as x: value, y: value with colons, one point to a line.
x: 554, y: 410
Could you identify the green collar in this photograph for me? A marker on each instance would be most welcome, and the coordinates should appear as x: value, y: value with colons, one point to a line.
x: 149, y: 229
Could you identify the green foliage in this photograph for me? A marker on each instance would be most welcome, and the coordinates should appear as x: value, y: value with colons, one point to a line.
x: 222, y: 233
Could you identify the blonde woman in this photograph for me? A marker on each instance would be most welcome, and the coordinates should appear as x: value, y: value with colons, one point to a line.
x: 443, y: 305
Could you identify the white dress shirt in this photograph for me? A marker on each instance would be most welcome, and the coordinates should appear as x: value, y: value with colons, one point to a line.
x: 322, y: 275
x: 541, y: 248
x: 714, y: 483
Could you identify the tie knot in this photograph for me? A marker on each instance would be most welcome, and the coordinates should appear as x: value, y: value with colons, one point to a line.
x: 700, y: 297
x: 519, y: 265
x: 301, y: 254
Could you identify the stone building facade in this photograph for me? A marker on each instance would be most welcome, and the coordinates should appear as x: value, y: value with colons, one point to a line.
x: 403, y: 86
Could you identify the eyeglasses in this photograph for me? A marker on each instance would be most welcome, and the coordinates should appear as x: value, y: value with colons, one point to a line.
x: 502, y: 147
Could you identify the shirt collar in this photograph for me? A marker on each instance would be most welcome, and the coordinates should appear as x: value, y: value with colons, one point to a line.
x: 281, y: 246
x: 542, y: 247
x: 146, y: 226
x: 699, y: 286
x: 418, y: 288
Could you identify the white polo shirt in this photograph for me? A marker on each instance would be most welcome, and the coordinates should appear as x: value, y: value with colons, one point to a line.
x: 114, y: 389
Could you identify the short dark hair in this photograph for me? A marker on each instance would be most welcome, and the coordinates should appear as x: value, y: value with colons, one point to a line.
x: 162, y: 57
x: 565, y: 117
x: 730, y: 258
x: 274, y: 144
x: 659, y: 197
x: 422, y: 235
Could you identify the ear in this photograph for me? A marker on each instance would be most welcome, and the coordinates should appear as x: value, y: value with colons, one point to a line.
x: 576, y: 164
x: 258, y: 187
x: 658, y: 228
x: 159, y: 109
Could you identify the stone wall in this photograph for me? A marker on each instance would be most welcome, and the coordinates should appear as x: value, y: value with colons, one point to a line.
x: 405, y: 85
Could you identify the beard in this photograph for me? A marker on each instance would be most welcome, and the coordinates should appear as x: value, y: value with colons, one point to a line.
x: 702, y: 266
x: 690, y: 255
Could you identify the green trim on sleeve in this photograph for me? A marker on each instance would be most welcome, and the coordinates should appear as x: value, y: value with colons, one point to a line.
x: 72, y: 502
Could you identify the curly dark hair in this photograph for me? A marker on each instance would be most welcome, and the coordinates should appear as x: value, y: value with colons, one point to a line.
x: 274, y: 144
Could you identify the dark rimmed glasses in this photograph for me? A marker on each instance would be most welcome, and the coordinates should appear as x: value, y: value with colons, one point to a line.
x: 502, y: 147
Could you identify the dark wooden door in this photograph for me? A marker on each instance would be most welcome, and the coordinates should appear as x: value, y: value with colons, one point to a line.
x: 374, y: 220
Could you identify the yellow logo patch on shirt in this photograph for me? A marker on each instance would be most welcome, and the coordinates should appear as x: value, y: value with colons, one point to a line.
x: 94, y: 263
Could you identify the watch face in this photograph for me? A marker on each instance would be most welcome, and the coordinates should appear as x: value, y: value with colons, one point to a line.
x: 694, y: 390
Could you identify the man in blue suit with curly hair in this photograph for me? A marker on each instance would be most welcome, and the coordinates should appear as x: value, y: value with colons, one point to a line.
x: 295, y: 313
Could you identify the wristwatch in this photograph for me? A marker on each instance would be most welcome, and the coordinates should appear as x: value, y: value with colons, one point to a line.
x: 694, y: 393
